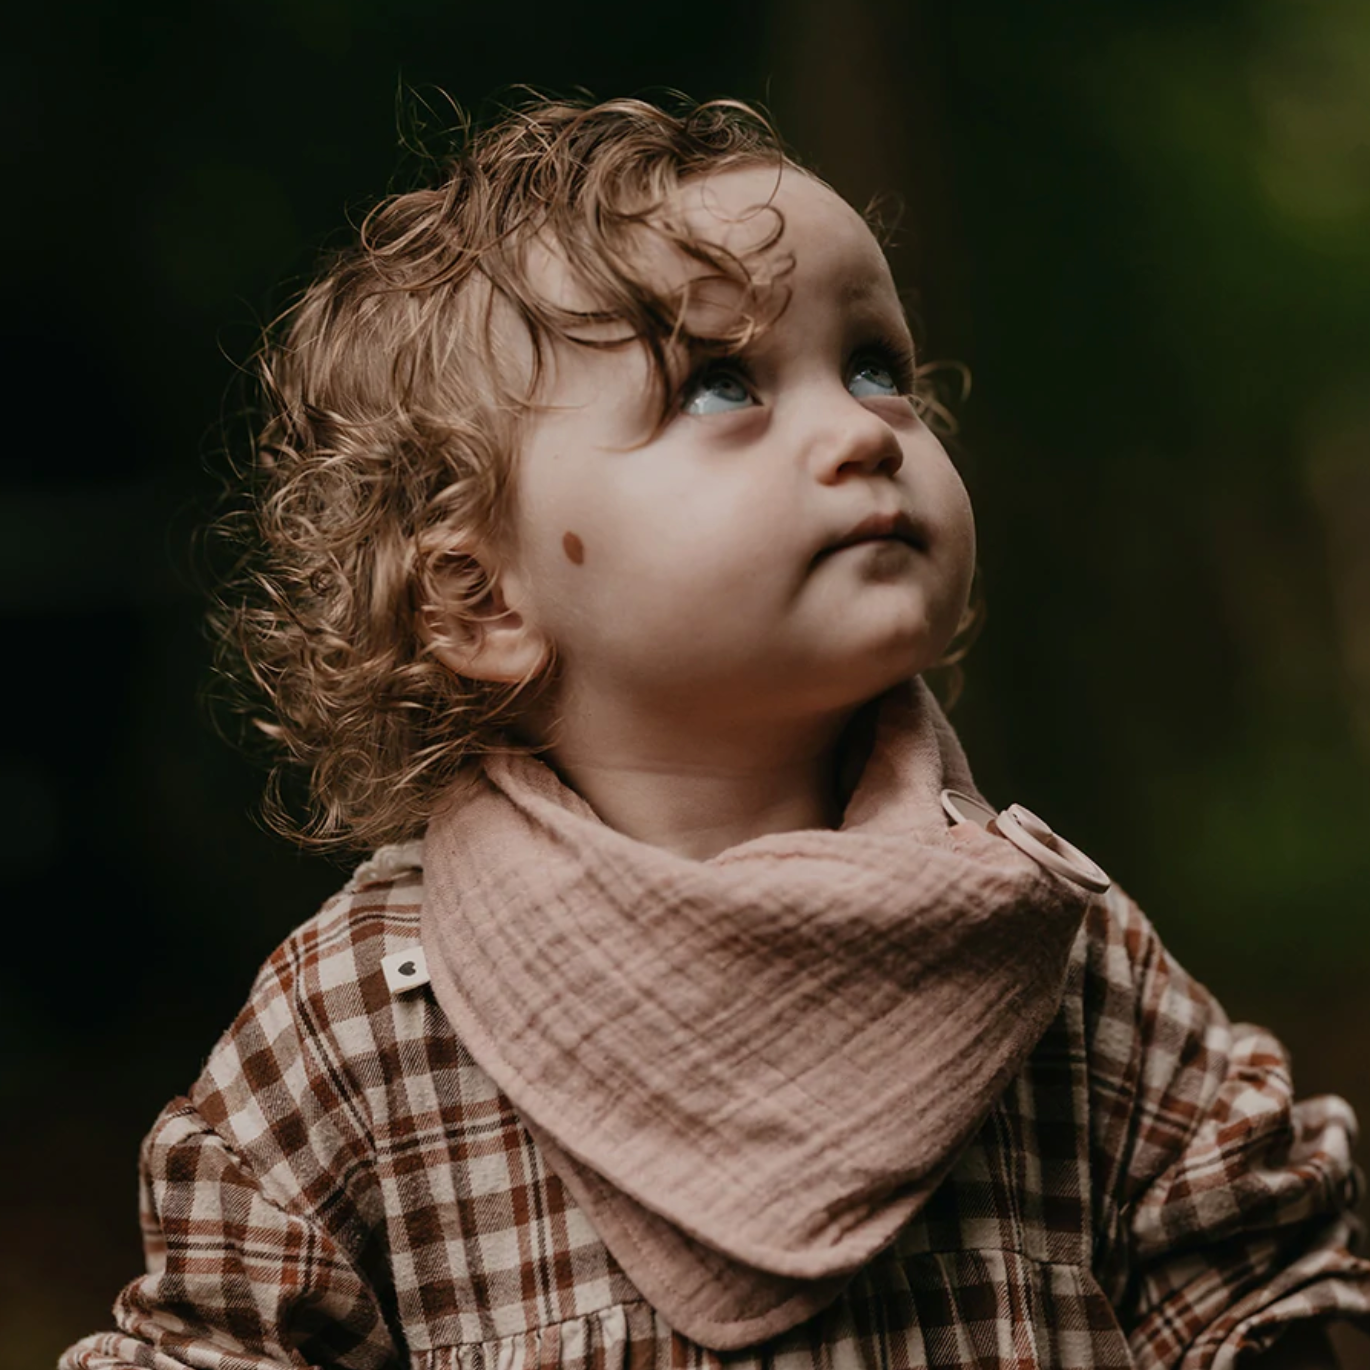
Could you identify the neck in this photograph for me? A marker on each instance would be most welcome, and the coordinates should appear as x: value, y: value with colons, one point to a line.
x: 697, y: 789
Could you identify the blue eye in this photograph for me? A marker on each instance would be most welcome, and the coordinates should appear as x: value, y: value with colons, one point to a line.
x: 716, y: 391
x: 873, y: 377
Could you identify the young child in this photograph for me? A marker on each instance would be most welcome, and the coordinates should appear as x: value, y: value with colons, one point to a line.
x: 694, y: 1008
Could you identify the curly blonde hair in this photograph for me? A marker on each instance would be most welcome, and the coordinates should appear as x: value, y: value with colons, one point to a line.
x: 393, y: 406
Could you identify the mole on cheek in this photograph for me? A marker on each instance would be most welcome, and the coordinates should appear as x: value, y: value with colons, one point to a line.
x: 574, y: 547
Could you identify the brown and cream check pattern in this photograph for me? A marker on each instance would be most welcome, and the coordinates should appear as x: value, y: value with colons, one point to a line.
x: 344, y: 1187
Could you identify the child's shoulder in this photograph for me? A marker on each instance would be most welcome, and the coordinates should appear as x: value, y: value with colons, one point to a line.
x: 320, y: 1011
x: 1131, y: 987
x: 1116, y: 928
x: 285, y: 1113
x: 375, y: 914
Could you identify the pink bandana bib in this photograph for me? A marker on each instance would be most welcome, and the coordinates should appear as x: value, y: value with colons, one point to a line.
x: 749, y: 1071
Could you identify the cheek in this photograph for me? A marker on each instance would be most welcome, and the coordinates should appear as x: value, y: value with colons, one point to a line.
x: 969, y: 515
x: 557, y: 525
x: 962, y: 545
x: 966, y: 517
x: 953, y: 501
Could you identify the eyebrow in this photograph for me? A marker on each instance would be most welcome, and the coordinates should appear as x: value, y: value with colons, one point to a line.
x: 859, y: 291
x: 866, y: 292
x: 868, y: 302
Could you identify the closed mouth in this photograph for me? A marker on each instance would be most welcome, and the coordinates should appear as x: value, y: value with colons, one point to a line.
x: 882, y: 528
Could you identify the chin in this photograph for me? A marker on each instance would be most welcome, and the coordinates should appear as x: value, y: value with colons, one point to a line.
x: 910, y: 655
x: 878, y: 677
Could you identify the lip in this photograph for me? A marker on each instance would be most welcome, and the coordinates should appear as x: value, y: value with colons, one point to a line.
x: 889, y: 527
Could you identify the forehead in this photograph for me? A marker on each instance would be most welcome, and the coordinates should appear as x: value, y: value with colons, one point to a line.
x: 822, y: 241
x: 737, y: 209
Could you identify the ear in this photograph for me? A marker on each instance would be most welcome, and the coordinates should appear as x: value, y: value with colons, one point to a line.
x: 497, y: 641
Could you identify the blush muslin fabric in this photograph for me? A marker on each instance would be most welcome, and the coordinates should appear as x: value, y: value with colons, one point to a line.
x: 749, y: 1071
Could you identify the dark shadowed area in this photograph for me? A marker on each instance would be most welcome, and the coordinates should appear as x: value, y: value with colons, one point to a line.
x: 1144, y: 226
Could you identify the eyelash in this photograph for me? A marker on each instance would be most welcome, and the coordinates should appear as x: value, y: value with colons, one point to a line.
x: 893, y: 356
x: 897, y: 358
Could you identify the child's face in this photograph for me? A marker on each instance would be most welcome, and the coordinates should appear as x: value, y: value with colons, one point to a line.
x: 693, y: 576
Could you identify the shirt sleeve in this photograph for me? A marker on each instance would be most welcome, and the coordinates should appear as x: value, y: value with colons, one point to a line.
x: 235, y: 1279
x: 263, y: 1225
x: 1224, y: 1204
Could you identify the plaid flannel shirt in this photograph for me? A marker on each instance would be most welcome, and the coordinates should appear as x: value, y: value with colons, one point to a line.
x: 345, y: 1187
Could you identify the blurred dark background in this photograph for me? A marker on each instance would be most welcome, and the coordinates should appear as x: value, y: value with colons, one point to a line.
x: 1144, y: 226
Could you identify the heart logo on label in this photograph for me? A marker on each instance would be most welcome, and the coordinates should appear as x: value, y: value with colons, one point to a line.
x: 407, y: 968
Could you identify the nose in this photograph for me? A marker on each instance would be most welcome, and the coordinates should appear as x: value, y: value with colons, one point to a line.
x: 851, y: 439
